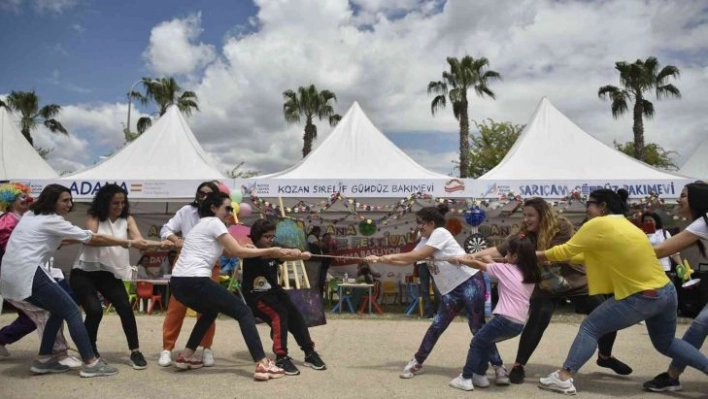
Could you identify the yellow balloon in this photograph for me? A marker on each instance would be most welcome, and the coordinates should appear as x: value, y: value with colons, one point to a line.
x: 236, y: 207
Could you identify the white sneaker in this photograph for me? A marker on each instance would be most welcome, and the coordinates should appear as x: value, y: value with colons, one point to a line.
x: 208, y: 357
x: 72, y: 362
x: 165, y: 358
x: 3, y: 351
x: 480, y: 381
x: 553, y: 383
x: 411, y: 369
x: 501, y: 376
x: 462, y: 383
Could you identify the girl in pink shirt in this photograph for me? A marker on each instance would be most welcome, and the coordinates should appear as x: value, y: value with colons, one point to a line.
x: 516, y: 280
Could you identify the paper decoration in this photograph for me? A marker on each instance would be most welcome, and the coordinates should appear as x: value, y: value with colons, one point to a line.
x: 367, y: 228
x: 475, y: 243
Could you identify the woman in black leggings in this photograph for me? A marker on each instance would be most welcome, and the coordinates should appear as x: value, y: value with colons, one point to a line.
x: 559, y: 281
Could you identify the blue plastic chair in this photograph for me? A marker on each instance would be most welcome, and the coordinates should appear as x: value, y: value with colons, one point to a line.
x: 344, y: 298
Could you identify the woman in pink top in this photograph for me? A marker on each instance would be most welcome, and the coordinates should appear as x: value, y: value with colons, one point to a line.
x: 516, y: 279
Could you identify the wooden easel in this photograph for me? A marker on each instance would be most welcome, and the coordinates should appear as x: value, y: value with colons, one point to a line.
x: 291, y: 266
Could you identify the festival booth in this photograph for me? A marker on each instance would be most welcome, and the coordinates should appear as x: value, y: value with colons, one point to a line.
x: 697, y: 164
x: 160, y: 170
x: 18, y: 159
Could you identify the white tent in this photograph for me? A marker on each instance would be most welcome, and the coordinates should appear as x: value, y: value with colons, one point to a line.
x: 18, y: 160
x: 553, y: 151
x: 165, y: 162
x: 697, y: 164
x: 356, y: 149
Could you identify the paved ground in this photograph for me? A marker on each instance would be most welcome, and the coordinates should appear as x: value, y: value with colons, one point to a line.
x: 364, y: 355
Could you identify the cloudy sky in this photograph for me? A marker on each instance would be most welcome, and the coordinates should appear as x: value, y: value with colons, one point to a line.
x: 239, y: 56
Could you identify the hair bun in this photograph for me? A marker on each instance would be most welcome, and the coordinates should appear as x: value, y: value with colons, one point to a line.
x: 443, y: 208
x: 623, y: 194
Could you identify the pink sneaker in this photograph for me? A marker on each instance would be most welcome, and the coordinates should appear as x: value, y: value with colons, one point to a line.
x: 264, y: 373
x: 188, y: 364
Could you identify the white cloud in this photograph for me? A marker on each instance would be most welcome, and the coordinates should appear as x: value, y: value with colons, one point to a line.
x: 78, y: 28
x: 383, y: 54
x: 173, y: 48
x: 55, y: 6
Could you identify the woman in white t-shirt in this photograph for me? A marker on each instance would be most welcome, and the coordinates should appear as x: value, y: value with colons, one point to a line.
x: 516, y: 280
x: 103, y: 269
x: 460, y: 287
x: 693, y: 205
x: 191, y: 283
x: 35, y: 239
x: 658, y: 236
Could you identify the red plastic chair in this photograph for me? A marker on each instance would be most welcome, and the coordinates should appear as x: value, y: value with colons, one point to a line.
x: 145, y: 291
x: 376, y: 291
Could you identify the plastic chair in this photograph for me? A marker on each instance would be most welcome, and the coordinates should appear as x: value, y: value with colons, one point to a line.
x: 145, y: 291
x: 345, y: 298
x: 376, y: 291
x: 389, y: 289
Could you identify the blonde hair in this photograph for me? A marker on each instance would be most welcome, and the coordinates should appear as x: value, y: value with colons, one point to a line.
x: 550, y: 224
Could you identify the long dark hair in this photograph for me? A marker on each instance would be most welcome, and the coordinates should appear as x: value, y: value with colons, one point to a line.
x: 214, y: 188
x: 524, y: 248
x: 698, y: 204
x: 615, y: 202
x: 102, y: 202
x: 46, y: 203
x: 216, y: 199
x: 435, y: 214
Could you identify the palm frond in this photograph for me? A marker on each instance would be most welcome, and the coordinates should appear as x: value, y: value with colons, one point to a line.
x: 438, y: 87
x: 4, y: 105
x: 49, y: 111
x: 438, y: 103
x: 667, y: 90
x: 667, y: 72
x: 144, y: 124
x: 647, y: 109
x: 55, y: 126
x: 334, y: 119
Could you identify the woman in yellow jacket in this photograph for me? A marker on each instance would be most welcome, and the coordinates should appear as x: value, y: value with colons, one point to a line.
x: 619, y: 260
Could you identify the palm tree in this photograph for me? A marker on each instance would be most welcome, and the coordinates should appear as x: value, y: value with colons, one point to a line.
x: 164, y: 92
x: 310, y: 103
x: 636, y: 79
x: 464, y: 74
x: 27, y: 104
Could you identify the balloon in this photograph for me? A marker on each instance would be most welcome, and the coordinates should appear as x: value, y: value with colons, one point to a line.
x: 475, y: 216
x: 224, y: 189
x: 236, y: 207
x: 454, y: 226
x: 236, y: 195
x: 367, y: 228
x: 246, y: 210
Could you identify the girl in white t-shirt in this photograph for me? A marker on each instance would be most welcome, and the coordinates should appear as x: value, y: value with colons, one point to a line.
x: 516, y: 279
x: 658, y: 236
x: 192, y: 285
x: 693, y: 205
x: 460, y: 287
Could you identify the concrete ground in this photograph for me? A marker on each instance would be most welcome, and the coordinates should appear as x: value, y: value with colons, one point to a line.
x: 364, y: 356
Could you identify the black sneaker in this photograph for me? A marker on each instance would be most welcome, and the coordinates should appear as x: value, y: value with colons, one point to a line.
x: 286, y: 363
x: 517, y: 374
x: 662, y: 383
x: 313, y: 360
x: 137, y: 361
x: 614, y: 364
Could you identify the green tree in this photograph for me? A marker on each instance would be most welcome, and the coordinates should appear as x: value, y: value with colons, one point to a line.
x: 637, y: 79
x: 238, y: 173
x: 163, y: 92
x: 490, y: 146
x: 309, y: 103
x: 31, y: 114
x: 464, y: 74
x: 654, y: 154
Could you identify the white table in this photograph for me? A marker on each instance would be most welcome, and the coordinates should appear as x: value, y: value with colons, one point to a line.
x: 354, y: 286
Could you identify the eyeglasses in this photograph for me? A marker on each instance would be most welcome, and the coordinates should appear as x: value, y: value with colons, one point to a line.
x: 202, y: 194
x: 229, y: 209
x: 268, y: 236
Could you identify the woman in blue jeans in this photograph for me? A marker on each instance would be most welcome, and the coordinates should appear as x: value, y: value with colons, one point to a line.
x: 192, y: 285
x: 619, y: 260
x: 35, y: 239
x: 693, y: 205
x: 460, y: 287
